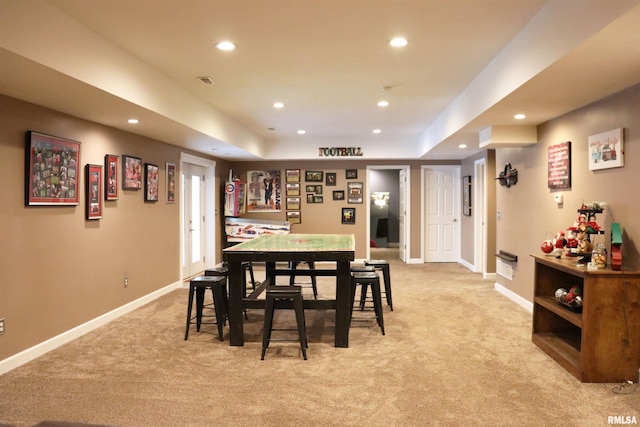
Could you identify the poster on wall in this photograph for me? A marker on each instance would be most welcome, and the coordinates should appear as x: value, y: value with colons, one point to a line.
x: 559, y: 169
x: 263, y: 191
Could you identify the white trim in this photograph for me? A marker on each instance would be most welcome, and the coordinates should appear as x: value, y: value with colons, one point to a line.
x: 514, y: 297
x: 38, y: 350
x: 467, y: 264
x: 479, y: 216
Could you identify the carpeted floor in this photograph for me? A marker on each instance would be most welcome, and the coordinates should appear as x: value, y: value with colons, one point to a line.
x: 455, y: 353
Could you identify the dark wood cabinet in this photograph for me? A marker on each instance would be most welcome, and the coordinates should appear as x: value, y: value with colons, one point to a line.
x: 600, y: 344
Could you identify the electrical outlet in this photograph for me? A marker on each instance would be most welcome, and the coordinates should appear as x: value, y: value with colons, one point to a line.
x: 1, y: 326
x: 126, y: 282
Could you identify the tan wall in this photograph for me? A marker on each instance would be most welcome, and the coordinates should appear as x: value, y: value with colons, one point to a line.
x: 528, y: 211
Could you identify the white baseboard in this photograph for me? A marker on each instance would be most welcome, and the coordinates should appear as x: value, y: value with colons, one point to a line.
x: 38, y: 350
x: 514, y: 297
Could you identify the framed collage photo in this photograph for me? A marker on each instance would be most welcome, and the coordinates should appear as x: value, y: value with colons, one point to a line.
x: 151, y: 177
x: 131, y: 172
x: 51, y: 170
x: 171, y: 182
x: 94, y: 186
x: 111, y: 178
x: 313, y: 176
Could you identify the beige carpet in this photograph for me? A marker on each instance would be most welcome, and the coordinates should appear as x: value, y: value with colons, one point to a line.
x: 456, y: 353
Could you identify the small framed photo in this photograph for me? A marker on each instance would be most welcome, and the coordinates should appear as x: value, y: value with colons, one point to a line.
x: 606, y: 150
x: 52, y: 170
x: 131, y: 172
x: 466, y: 195
x: 318, y: 189
x: 351, y: 174
x: 292, y: 175
x: 150, y: 182
x: 293, y: 189
x: 111, y: 178
x: 330, y: 178
x: 318, y: 199
x: 310, y: 188
x: 94, y: 191
x: 354, y: 192
x: 171, y: 182
x: 293, y: 203
x: 311, y: 198
x: 348, y: 215
x: 338, y: 195
x: 294, y: 217
x: 313, y: 176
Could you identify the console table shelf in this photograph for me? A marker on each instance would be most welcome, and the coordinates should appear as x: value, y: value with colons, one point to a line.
x: 601, y: 344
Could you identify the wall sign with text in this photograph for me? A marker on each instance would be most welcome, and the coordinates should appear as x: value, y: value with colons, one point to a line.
x: 559, y: 158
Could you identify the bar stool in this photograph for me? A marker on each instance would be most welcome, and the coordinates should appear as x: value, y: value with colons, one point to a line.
x: 284, y: 293
x: 367, y: 278
x: 363, y: 291
x: 293, y: 265
x: 383, y: 265
x: 198, y: 286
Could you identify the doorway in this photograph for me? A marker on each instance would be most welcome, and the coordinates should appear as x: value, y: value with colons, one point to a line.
x: 197, y: 214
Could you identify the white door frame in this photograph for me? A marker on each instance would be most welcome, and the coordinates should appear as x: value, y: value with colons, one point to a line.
x: 209, y: 209
x: 423, y: 202
x: 407, y: 205
x: 479, y: 212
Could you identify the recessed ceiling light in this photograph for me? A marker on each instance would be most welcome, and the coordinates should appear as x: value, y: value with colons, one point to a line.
x: 133, y: 121
x: 383, y: 103
x: 376, y: 131
x: 398, y: 42
x: 226, y: 45
x: 302, y: 132
x: 519, y: 116
x: 278, y: 105
x: 462, y: 146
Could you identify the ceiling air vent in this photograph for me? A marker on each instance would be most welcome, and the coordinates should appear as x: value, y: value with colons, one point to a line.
x: 206, y: 80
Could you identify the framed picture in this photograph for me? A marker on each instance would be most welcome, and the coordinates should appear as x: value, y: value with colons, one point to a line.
x: 559, y: 165
x: 150, y: 182
x: 171, y: 182
x: 310, y: 188
x: 351, y: 174
x: 338, y: 195
x: 293, y: 189
x: 348, y: 215
x: 294, y: 217
x: 111, y: 179
x: 131, y: 172
x: 606, y: 150
x: 293, y: 203
x: 466, y: 195
x: 263, y: 191
x: 311, y: 198
x: 318, y: 199
x: 93, y: 177
x: 292, y: 175
x: 313, y: 176
x: 51, y: 170
x: 330, y: 178
x: 354, y: 192
x: 318, y: 189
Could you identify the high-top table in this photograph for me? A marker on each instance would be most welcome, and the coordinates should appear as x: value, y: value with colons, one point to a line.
x: 273, y: 248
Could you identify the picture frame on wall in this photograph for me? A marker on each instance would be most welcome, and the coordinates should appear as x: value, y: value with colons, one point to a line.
x: 314, y: 176
x: 338, y: 195
x: 93, y: 194
x: 330, y: 178
x: 293, y: 203
x: 559, y: 165
x: 51, y: 170
x: 354, y: 192
x: 131, y: 172
x: 311, y: 198
x: 606, y: 150
x: 351, y: 174
x: 348, y: 215
x: 318, y: 199
x: 293, y: 189
x: 170, y: 178
x: 151, y: 176
x: 294, y: 217
x: 292, y: 175
x: 466, y: 195
x: 111, y: 167
x: 310, y: 188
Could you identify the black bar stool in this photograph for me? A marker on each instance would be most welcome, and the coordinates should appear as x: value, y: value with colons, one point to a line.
x: 198, y: 286
x: 293, y: 265
x: 363, y: 291
x: 284, y: 293
x: 383, y: 265
x: 367, y: 278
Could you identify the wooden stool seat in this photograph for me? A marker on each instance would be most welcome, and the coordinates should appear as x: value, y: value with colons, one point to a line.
x: 198, y: 286
x: 368, y: 278
x: 284, y: 293
x: 383, y: 265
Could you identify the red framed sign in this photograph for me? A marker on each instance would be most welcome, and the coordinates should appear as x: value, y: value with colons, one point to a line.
x: 94, y: 191
x: 51, y: 170
x: 111, y: 180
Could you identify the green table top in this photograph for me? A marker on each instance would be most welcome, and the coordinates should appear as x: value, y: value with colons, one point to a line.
x: 297, y: 242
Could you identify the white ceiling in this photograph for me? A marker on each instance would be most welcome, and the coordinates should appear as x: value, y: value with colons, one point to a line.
x: 469, y: 64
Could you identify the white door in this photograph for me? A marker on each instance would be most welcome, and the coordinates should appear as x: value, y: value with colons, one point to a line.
x: 402, y: 216
x: 193, y: 209
x: 442, y: 206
